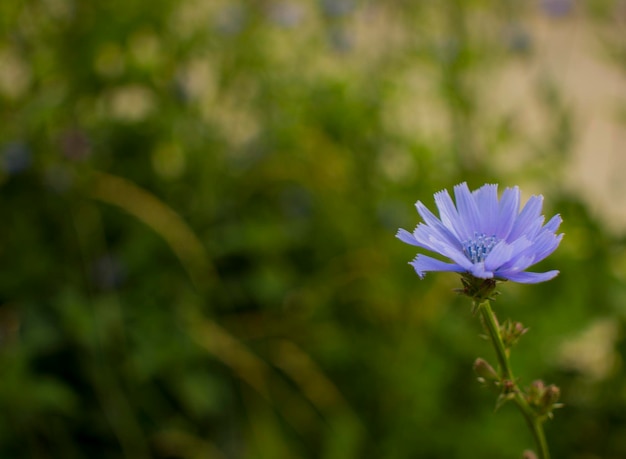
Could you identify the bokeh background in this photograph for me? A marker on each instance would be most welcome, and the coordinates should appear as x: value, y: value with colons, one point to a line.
x: 199, y: 200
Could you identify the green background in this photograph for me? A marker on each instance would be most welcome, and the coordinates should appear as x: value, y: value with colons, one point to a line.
x: 199, y: 201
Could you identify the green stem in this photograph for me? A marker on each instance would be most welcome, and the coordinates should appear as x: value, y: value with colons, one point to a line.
x: 534, y: 422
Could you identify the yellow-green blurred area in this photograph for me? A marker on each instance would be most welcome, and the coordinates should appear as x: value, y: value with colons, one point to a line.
x: 199, y: 200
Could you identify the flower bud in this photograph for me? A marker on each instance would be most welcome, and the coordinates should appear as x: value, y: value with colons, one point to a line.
x: 550, y: 397
x: 543, y: 398
x: 528, y: 454
x: 535, y: 392
x: 485, y: 371
x: 511, y: 332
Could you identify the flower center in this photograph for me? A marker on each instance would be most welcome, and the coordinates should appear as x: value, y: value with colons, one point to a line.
x: 478, y: 248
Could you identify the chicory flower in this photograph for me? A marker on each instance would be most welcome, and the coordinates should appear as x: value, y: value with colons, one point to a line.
x: 483, y: 236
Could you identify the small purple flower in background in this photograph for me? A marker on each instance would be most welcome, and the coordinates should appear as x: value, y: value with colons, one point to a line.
x: 485, y: 237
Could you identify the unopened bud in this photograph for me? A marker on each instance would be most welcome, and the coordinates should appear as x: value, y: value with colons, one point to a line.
x: 511, y: 332
x: 485, y: 371
x: 538, y: 385
x: 535, y: 392
x: 543, y: 398
x: 550, y: 397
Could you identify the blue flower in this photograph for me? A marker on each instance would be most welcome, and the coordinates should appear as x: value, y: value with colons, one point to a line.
x: 485, y: 237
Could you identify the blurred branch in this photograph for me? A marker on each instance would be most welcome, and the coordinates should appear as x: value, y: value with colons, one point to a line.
x: 230, y: 351
x: 297, y: 365
x: 161, y: 218
x: 311, y: 380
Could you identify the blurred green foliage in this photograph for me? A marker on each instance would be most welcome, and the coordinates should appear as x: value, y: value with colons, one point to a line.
x: 200, y: 200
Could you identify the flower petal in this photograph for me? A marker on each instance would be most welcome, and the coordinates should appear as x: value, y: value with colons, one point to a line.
x: 407, y: 237
x: 509, y: 207
x: 516, y: 265
x: 478, y: 270
x: 449, y: 215
x: 436, y: 224
x: 507, y: 254
x: 498, y: 256
x: 486, y: 198
x: 527, y: 217
x: 468, y: 210
x: 429, y: 239
x: 554, y: 223
x: 504, y: 254
x: 531, y: 278
x: 545, y: 244
x: 424, y: 263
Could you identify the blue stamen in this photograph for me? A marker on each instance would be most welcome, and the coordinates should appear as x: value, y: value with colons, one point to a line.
x: 478, y: 248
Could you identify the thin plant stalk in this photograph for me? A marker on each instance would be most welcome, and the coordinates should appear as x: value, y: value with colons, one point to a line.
x: 533, y: 420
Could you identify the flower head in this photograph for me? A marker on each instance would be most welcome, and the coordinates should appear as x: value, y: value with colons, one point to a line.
x: 485, y: 237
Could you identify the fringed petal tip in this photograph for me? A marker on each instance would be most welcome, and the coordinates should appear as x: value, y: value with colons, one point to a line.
x: 406, y: 237
x: 420, y: 274
x: 554, y: 223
